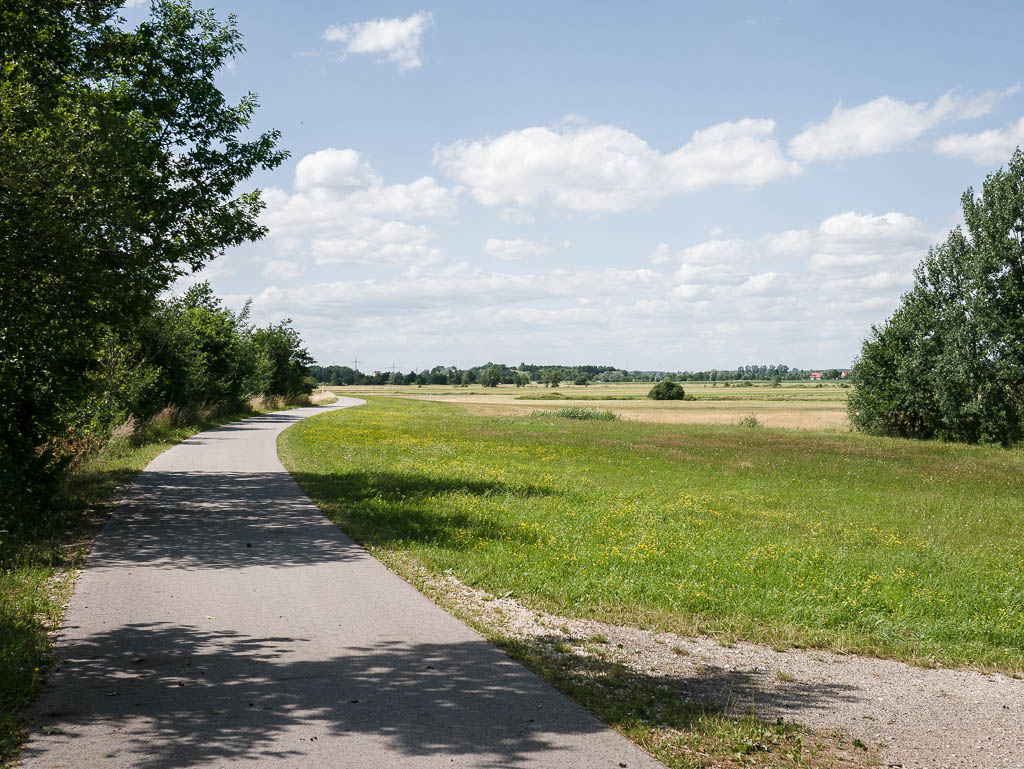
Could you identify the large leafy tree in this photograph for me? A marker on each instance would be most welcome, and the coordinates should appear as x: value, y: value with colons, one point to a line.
x: 120, y: 161
x: 950, y: 362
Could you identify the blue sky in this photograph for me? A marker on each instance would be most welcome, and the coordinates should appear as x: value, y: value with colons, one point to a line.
x: 658, y: 185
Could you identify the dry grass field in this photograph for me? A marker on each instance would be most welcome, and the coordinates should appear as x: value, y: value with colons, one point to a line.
x: 794, y: 405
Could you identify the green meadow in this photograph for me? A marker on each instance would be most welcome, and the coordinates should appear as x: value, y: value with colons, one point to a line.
x: 904, y: 549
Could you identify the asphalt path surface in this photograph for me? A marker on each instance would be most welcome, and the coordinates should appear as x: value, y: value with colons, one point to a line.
x: 221, y: 620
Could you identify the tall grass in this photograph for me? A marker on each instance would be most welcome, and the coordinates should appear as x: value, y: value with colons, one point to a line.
x: 579, y: 412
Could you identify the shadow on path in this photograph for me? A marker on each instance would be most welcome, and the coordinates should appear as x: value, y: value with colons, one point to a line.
x: 227, y: 520
x: 185, y: 696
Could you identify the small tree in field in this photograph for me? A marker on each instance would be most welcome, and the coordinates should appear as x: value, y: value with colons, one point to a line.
x: 582, y: 381
x: 553, y: 377
x: 490, y: 377
x: 667, y: 390
x: 949, y: 363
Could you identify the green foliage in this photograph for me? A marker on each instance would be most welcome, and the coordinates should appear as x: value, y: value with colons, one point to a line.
x: 119, y: 163
x: 282, y: 363
x: 750, y: 421
x: 490, y: 376
x: 581, y: 381
x: 552, y: 377
x: 667, y: 390
x: 581, y: 412
x: 519, y: 379
x: 950, y: 362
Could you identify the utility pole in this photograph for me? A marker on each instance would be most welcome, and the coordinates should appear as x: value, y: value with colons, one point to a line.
x: 355, y: 364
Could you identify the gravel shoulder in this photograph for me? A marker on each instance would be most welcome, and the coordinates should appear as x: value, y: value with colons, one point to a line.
x: 911, y: 717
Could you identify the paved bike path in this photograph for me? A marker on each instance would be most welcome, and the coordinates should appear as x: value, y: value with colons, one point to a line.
x: 221, y: 620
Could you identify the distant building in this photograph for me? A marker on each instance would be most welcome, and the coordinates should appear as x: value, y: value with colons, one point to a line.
x: 816, y: 375
x: 844, y: 375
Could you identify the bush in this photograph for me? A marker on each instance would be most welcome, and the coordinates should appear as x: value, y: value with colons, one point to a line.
x: 750, y: 421
x: 667, y: 390
x: 582, y: 412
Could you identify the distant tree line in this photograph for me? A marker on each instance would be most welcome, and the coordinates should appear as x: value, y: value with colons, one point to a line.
x: 494, y: 374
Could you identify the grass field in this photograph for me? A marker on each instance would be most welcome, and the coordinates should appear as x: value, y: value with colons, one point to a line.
x: 895, y: 548
x: 801, y: 405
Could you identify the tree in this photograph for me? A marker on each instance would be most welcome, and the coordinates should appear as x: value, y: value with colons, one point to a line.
x: 281, y: 362
x: 552, y: 377
x: 520, y: 379
x: 667, y: 390
x: 949, y: 363
x: 119, y: 162
x: 490, y: 376
x: 582, y: 381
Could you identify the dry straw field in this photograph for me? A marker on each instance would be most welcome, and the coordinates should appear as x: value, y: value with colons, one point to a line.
x: 796, y: 405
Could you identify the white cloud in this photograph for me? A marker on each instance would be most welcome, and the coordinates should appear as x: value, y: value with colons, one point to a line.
x: 342, y: 212
x: 848, y: 257
x: 599, y: 168
x: 513, y: 249
x: 281, y: 269
x: 801, y: 296
x: 399, y: 39
x: 850, y: 241
x: 371, y: 242
x: 988, y: 148
x: 884, y: 124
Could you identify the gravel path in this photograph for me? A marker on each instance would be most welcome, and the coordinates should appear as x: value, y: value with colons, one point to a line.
x: 221, y: 621
x: 915, y: 718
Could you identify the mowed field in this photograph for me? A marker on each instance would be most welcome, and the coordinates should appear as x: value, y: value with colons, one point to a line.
x: 825, y: 538
x: 796, y: 405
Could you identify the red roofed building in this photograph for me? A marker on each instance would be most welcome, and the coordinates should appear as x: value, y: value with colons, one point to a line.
x: 816, y: 375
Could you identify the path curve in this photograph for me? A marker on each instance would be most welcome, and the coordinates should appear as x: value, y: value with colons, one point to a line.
x: 221, y: 619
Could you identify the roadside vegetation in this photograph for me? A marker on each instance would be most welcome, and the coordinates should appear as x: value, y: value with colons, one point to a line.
x: 889, y: 547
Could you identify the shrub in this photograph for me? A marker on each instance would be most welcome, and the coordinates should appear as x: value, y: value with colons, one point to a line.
x: 582, y: 412
x: 750, y: 421
x: 667, y: 390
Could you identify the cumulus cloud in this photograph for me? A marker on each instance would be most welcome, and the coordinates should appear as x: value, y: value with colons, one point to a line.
x: 371, y: 242
x: 848, y: 257
x: 513, y: 249
x: 341, y: 211
x: 885, y: 124
x: 398, y: 39
x: 988, y: 148
x: 601, y: 168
